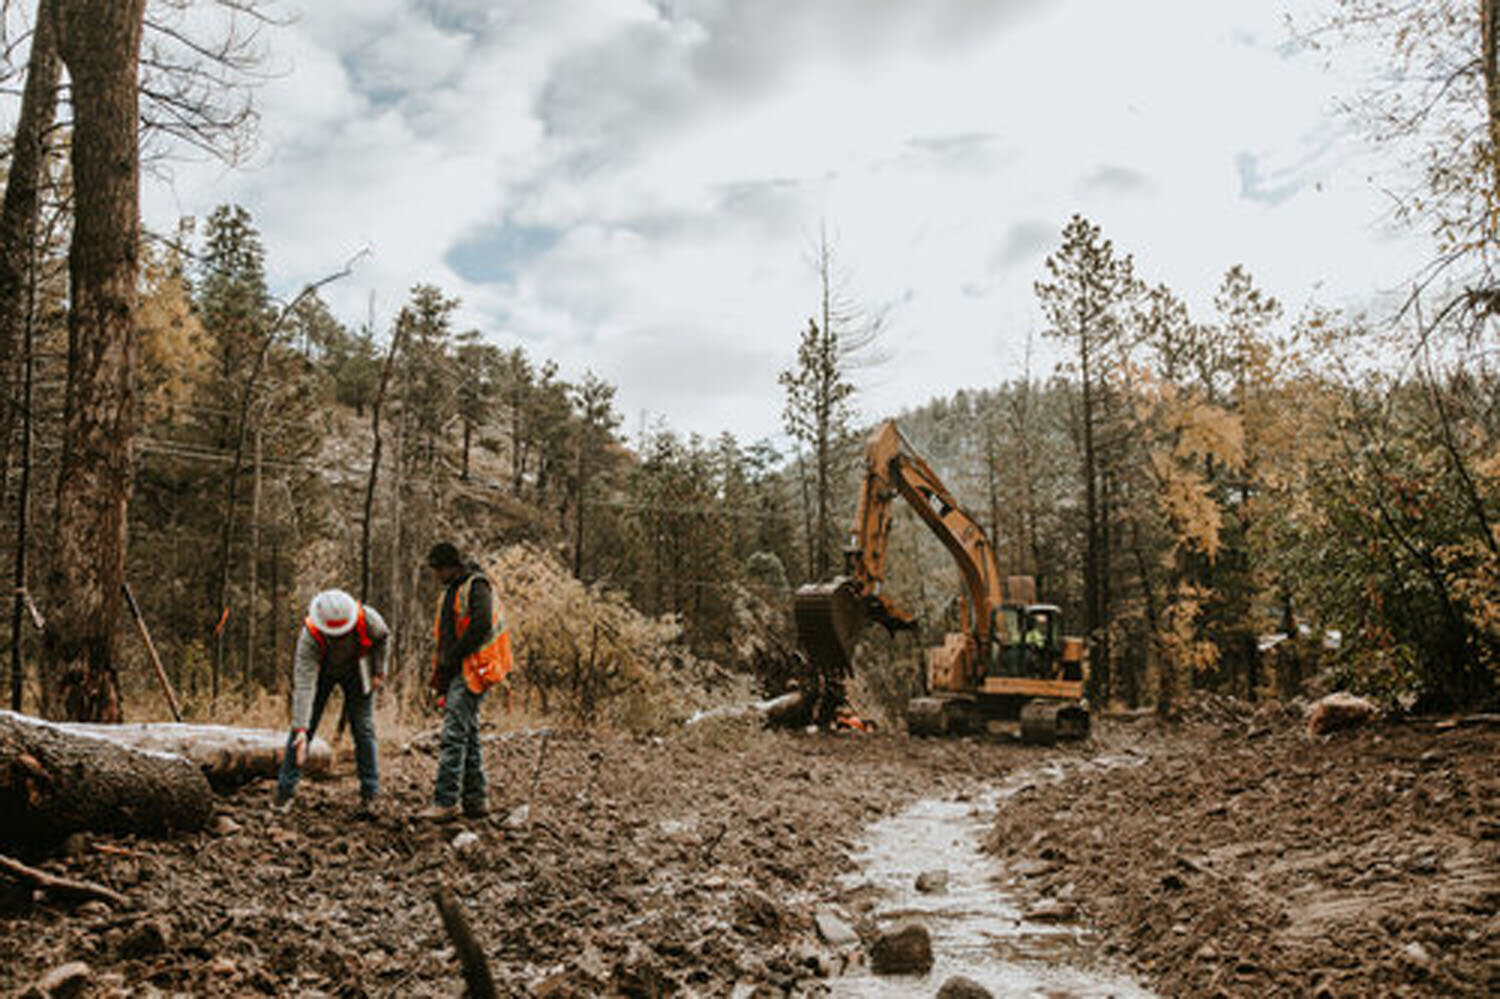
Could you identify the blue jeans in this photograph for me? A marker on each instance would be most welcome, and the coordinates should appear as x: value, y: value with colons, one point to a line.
x: 460, y: 772
x: 361, y: 710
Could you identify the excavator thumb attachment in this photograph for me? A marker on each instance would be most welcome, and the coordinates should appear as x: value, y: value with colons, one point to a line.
x: 829, y: 618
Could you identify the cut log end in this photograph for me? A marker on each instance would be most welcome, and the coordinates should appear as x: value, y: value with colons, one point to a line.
x: 54, y: 782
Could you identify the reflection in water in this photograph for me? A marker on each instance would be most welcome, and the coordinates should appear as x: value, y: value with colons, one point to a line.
x: 977, y: 930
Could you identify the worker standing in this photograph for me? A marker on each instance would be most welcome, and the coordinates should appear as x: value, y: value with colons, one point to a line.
x: 343, y: 644
x: 471, y: 653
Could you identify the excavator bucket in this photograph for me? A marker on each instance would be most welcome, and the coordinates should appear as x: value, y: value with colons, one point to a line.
x: 829, y: 618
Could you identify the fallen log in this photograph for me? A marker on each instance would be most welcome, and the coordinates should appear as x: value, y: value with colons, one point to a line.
x: 788, y: 710
x: 54, y: 782
x: 228, y: 756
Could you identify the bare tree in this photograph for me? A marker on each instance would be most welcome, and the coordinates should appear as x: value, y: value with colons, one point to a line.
x: 819, y: 391
x: 201, y: 62
x: 1436, y: 103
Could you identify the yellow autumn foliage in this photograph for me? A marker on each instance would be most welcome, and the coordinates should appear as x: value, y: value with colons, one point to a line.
x: 1192, y: 433
x: 175, y: 349
x: 1205, y: 431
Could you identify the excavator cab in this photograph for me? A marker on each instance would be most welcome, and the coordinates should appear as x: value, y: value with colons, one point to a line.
x: 1028, y: 642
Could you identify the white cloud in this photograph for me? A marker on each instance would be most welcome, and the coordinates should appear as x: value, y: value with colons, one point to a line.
x: 631, y: 186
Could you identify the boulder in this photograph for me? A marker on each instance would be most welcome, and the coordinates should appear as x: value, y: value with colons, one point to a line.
x: 904, y: 950
x: 1339, y: 710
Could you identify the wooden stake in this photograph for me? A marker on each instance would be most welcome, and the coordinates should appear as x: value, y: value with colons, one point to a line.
x: 476, y: 967
x: 536, y: 774
x: 37, y: 621
x: 161, y: 674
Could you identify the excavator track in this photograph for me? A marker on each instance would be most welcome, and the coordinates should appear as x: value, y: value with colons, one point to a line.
x: 1044, y: 721
x: 940, y: 716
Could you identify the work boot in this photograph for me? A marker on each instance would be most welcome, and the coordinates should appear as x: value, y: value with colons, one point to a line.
x: 281, y: 804
x: 438, y: 813
x: 366, y: 809
x: 476, y: 810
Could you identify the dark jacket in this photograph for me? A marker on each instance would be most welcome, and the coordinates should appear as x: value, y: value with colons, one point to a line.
x: 452, y: 649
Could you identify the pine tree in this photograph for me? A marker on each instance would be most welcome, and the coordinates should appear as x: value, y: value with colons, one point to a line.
x: 1085, y: 303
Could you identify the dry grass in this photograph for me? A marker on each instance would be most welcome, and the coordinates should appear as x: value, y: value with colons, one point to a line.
x: 396, y: 723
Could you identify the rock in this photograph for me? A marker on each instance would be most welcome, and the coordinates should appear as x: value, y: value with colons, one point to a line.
x: 1339, y: 710
x: 932, y: 882
x: 833, y: 930
x: 64, y: 981
x: 555, y: 986
x: 225, y: 826
x: 149, y: 938
x: 465, y: 842
x: 1416, y: 954
x: 754, y: 910
x: 755, y: 990
x: 959, y: 987
x: 905, y: 950
x: 1051, y: 910
x: 813, y: 960
x: 518, y: 817
x: 1033, y: 868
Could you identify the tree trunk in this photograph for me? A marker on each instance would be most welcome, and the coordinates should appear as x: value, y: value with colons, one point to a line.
x: 20, y: 214
x: 1491, y: 58
x: 53, y: 783
x: 19, y: 222
x: 367, y: 527
x: 253, y: 584
x: 100, y: 45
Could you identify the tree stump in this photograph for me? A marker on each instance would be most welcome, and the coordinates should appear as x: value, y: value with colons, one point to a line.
x: 54, y: 782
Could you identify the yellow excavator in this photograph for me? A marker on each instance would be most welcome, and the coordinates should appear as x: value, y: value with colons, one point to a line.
x: 1009, y: 661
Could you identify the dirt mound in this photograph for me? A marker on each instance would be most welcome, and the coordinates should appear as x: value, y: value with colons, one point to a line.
x: 1246, y: 858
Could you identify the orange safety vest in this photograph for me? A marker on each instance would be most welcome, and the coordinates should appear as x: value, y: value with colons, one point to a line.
x: 359, y: 629
x: 489, y: 664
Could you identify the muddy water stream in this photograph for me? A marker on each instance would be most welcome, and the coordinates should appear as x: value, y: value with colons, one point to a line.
x: 977, y: 930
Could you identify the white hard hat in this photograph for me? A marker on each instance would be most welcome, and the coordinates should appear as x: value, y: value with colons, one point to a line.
x: 333, y: 611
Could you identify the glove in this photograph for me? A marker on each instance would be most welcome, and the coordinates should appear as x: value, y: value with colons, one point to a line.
x: 299, y: 746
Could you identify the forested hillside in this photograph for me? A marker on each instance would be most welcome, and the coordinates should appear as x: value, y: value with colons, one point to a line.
x: 1241, y: 498
x: 1254, y: 505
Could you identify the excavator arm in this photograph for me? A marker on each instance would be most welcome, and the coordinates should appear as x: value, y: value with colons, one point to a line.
x: 830, y: 616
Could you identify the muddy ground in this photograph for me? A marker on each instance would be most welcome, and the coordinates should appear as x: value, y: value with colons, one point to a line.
x: 1231, y: 856
x: 1237, y: 855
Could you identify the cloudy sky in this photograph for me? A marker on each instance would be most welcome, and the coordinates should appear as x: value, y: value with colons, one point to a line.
x: 633, y: 187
